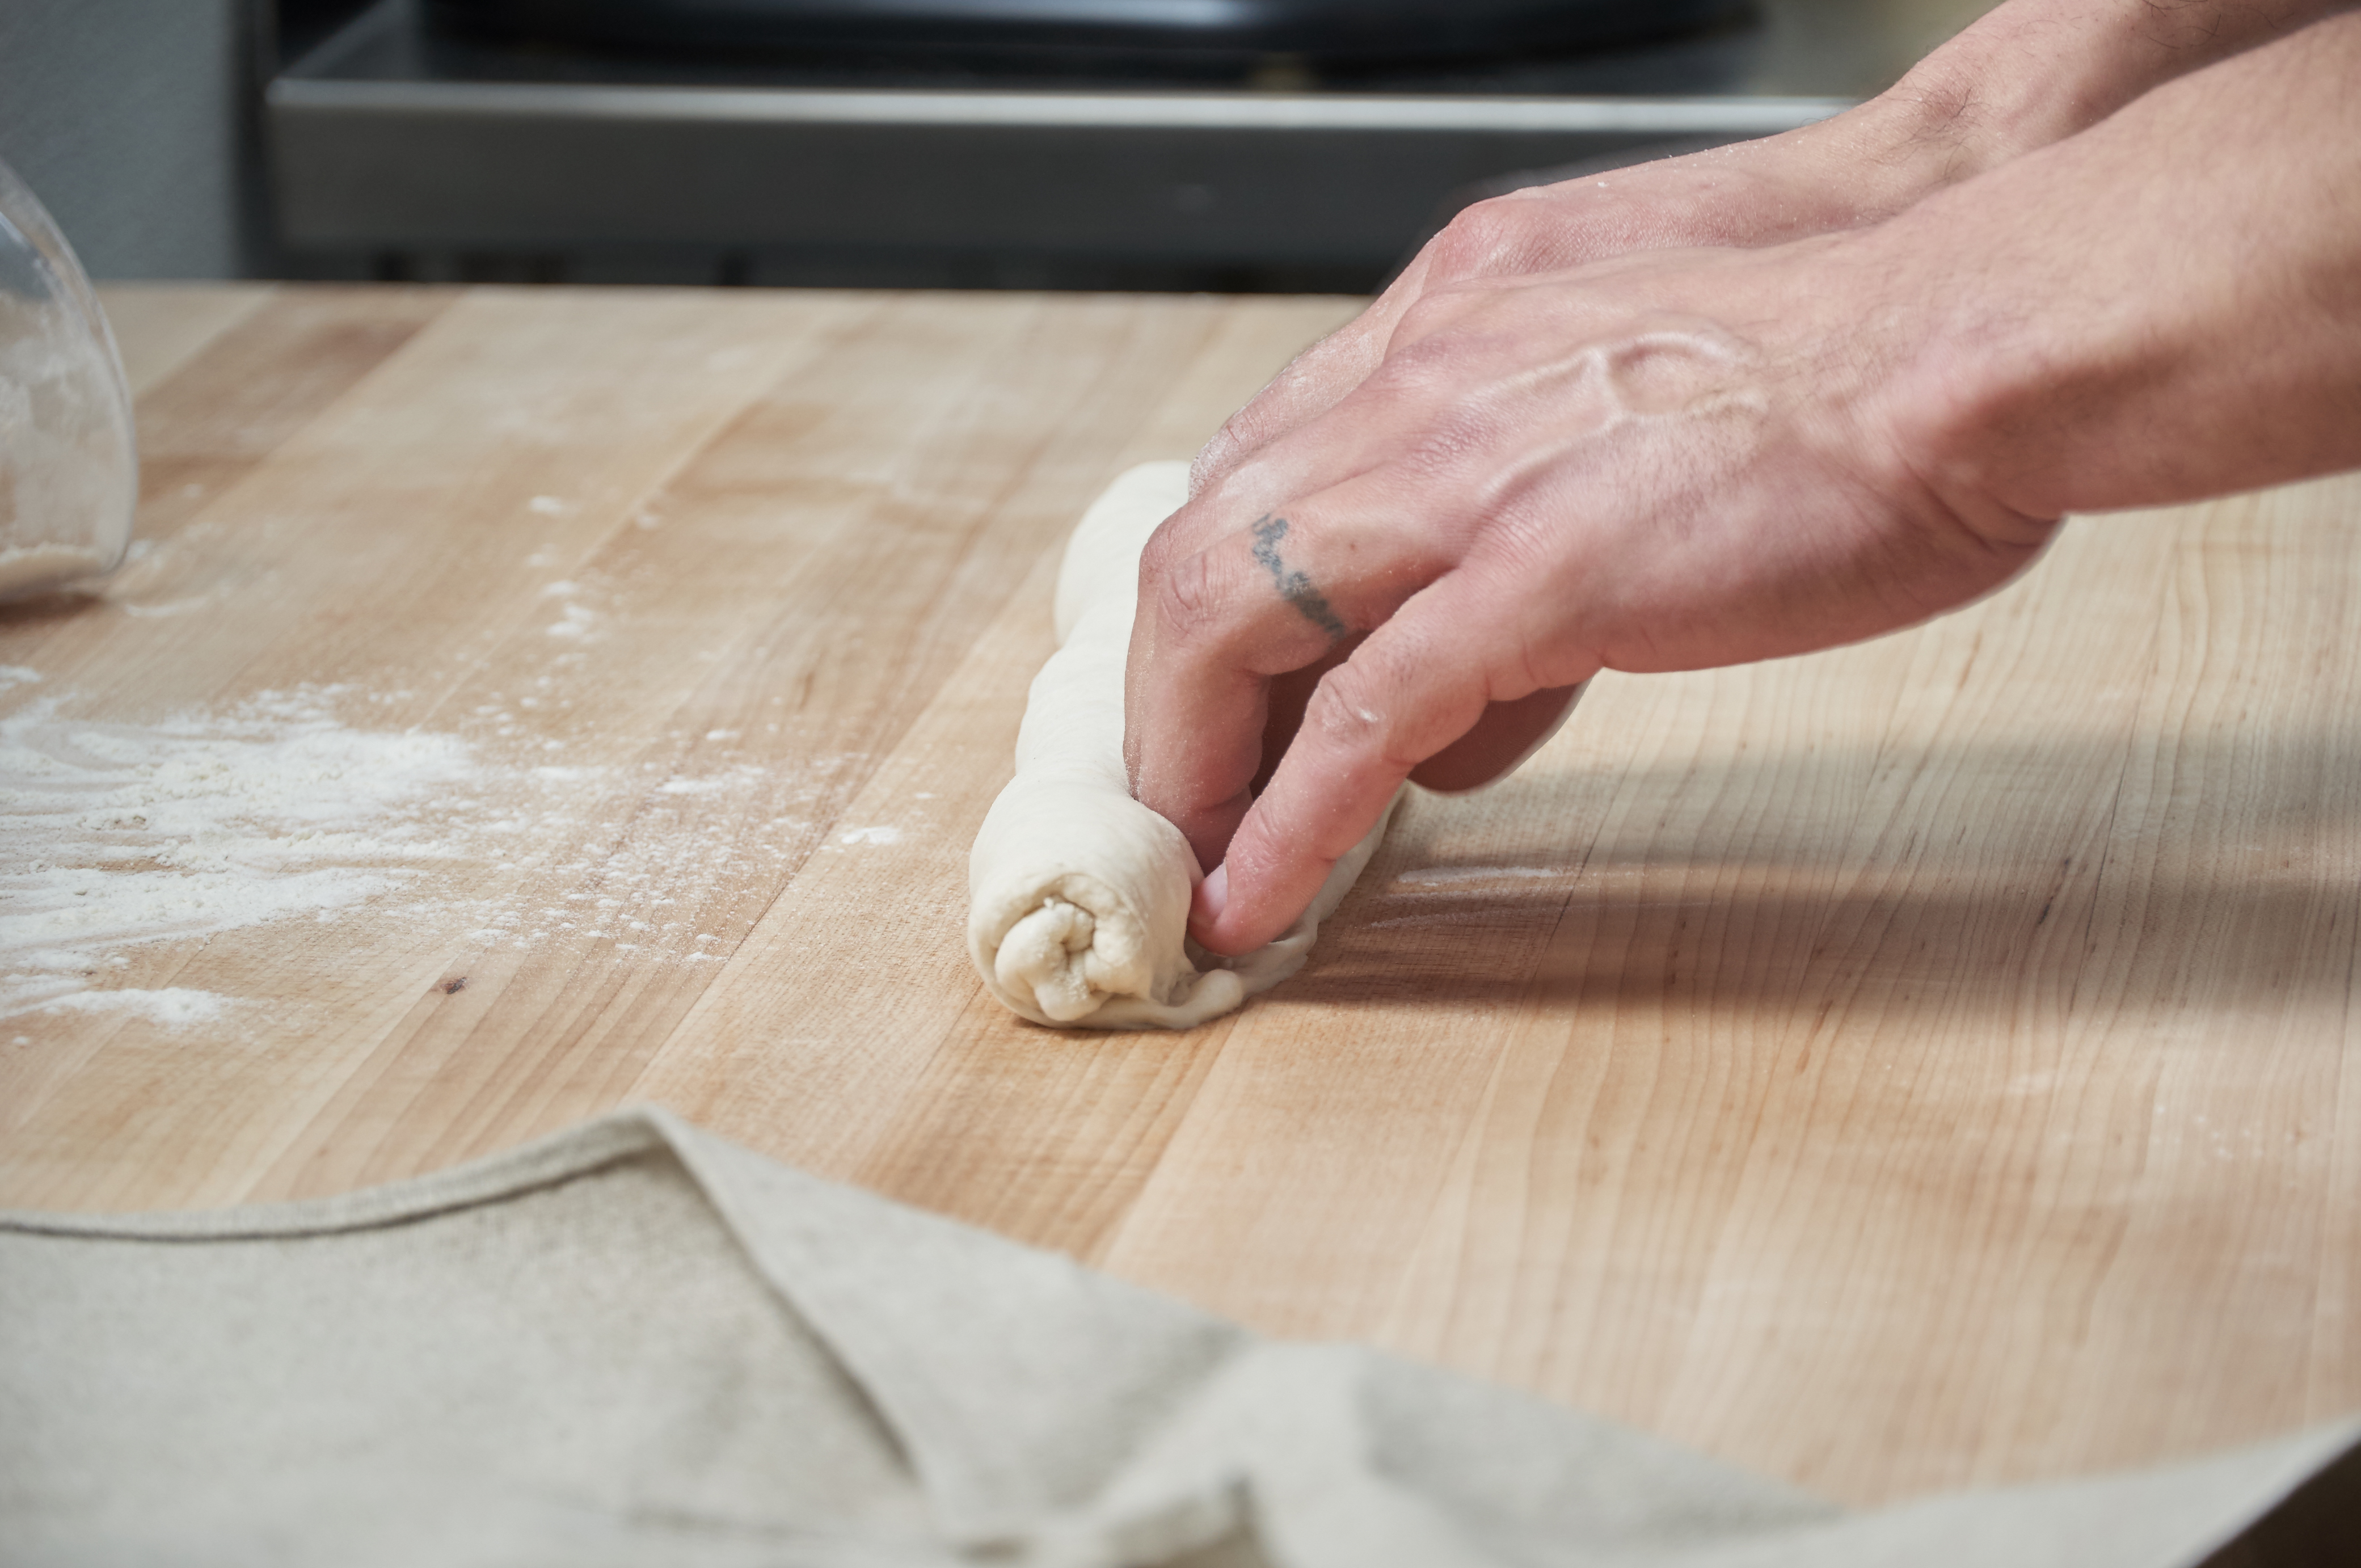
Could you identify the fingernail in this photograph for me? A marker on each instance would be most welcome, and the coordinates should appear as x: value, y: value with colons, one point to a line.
x: 1213, y: 895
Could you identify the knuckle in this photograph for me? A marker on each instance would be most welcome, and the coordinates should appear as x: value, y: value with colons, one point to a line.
x: 1478, y: 240
x: 1527, y: 672
x: 1158, y: 555
x: 1539, y: 664
x: 1241, y: 434
x: 1211, y: 459
x: 1214, y: 459
x: 1422, y: 322
x: 1295, y: 391
x: 1219, y: 488
x: 1188, y: 604
x: 1353, y: 710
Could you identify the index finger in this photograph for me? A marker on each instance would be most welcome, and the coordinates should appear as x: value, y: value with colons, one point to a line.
x: 1419, y: 683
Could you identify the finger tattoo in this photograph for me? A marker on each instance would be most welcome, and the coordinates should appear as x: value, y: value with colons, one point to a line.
x: 1295, y: 588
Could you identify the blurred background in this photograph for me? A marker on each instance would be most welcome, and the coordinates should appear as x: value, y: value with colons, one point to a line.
x: 1234, y: 145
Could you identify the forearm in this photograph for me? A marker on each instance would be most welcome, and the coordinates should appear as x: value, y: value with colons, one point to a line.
x: 2032, y: 73
x: 2165, y: 307
x: 2029, y: 75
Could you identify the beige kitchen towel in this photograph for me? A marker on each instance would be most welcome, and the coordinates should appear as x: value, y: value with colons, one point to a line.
x: 636, y: 1344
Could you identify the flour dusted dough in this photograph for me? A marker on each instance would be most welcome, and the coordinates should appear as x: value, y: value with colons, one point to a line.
x: 1078, y: 895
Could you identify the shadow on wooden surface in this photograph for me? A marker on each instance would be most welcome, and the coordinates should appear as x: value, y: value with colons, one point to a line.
x: 2034, y: 881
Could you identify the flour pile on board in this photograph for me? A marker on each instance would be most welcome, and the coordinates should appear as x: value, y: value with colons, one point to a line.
x: 114, y: 834
x: 170, y: 1007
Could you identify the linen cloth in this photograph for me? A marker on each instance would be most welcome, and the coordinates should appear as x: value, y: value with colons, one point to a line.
x: 635, y: 1343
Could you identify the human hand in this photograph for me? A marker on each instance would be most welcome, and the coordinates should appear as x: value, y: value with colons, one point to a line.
x: 2027, y: 75
x: 1679, y: 459
x: 1938, y: 125
x: 1854, y: 168
x: 1660, y: 463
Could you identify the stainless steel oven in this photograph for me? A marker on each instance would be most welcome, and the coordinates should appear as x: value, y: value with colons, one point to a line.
x: 1301, y: 143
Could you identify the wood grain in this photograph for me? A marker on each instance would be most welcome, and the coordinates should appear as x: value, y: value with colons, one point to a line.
x: 1924, y: 1063
x: 159, y: 329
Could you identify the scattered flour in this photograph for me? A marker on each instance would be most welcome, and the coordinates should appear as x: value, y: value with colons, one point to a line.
x: 114, y: 834
x: 575, y: 625
x: 173, y: 1007
x: 872, y: 836
x: 712, y: 783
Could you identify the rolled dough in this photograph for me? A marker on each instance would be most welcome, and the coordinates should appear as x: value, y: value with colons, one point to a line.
x: 1079, y: 895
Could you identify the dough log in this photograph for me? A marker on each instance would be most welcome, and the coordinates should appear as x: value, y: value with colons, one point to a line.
x: 1078, y: 895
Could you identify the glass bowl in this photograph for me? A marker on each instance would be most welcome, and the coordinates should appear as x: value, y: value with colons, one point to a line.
x: 69, y: 468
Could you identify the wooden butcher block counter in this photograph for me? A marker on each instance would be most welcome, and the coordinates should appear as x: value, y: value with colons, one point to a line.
x: 1923, y: 1064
